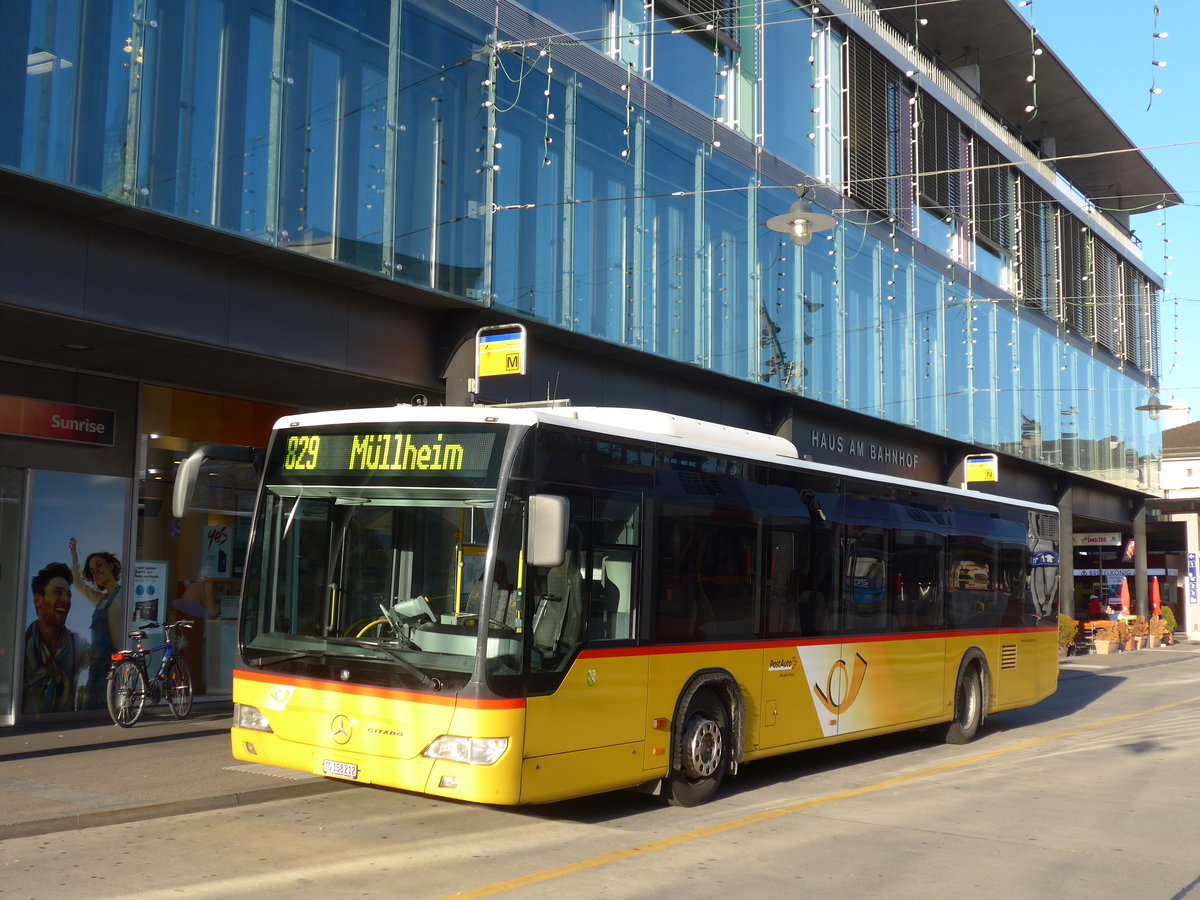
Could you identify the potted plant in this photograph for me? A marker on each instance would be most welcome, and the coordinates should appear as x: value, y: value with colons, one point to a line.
x: 1107, y: 637
x: 1140, y: 631
x: 1124, y: 635
x: 1158, y: 628
x: 1068, y: 628
x: 1168, y: 617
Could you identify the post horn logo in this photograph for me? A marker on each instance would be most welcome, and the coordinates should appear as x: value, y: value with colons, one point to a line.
x: 854, y: 681
x: 340, y: 729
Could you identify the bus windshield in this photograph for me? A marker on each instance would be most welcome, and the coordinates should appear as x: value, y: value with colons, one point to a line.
x: 367, y: 553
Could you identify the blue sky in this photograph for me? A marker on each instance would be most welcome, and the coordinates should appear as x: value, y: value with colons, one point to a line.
x: 1109, y: 45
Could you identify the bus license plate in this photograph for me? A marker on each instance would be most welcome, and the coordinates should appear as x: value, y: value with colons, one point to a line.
x: 340, y: 769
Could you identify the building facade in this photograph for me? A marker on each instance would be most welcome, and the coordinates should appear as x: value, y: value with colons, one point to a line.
x: 219, y: 211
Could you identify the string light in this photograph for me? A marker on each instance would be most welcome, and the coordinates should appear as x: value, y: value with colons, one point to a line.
x: 1155, y: 62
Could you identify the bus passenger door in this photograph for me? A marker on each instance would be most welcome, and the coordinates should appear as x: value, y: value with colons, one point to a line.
x: 587, y: 689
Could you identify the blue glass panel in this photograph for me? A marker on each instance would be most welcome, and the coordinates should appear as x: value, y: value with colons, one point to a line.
x: 781, y: 354
x: 957, y: 350
x: 982, y: 333
x: 588, y: 19
x: 823, y: 336
x: 602, y: 222
x: 898, y: 341
x: 991, y: 265
x: 1029, y: 389
x: 689, y: 66
x: 306, y: 203
x: 668, y: 315
x: 864, y: 353
x: 729, y: 321
x: 105, y: 170
x: 48, y: 90
x: 787, y: 79
x: 362, y: 233
x: 247, y: 142
x: 334, y: 144
x: 528, y: 232
x: 177, y: 161
x: 441, y: 129
x: 929, y: 347
x: 1051, y: 364
x: 1008, y: 416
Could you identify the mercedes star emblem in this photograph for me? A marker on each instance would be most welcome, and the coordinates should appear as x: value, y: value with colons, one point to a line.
x: 340, y: 729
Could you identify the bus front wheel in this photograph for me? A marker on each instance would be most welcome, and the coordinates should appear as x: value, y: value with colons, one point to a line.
x: 968, y: 708
x: 704, y: 751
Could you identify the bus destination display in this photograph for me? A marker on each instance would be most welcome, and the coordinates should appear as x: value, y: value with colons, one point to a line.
x: 442, y: 453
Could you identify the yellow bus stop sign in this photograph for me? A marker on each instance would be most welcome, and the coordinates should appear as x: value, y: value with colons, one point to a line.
x: 500, y: 350
x: 982, y: 467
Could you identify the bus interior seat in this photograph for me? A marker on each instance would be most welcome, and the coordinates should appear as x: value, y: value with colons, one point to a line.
x: 555, y: 623
x: 604, y: 604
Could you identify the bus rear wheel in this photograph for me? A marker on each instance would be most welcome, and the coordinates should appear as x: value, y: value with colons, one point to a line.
x: 968, y: 708
x: 704, y: 751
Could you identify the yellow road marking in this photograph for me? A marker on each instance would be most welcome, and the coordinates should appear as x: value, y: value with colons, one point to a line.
x: 637, y: 850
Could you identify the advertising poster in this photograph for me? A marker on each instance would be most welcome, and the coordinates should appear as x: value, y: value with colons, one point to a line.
x: 218, y: 549
x: 76, y: 541
x: 149, y: 589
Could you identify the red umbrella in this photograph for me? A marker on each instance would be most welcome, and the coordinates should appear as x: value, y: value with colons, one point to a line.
x: 1124, y: 596
x: 1155, y: 597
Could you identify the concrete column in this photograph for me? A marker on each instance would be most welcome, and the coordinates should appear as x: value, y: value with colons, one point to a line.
x: 1066, y: 551
x: 1189, y: 612
x: 1141, y: 592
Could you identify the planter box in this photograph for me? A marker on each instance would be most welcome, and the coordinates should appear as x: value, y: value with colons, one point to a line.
x: 1155, y: 640
x: 1107, y: 647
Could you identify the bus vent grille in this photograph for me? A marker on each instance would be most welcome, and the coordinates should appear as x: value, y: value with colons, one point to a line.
x: 1047, y: 526
x: 1008, y: 656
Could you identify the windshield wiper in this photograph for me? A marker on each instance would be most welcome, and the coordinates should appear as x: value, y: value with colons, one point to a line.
x: 430, y: 681
x: 263, y: 662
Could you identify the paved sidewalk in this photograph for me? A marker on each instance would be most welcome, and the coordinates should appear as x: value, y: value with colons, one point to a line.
x: 82, y: 774
x: 77, y: 775
x: 1094, y: 662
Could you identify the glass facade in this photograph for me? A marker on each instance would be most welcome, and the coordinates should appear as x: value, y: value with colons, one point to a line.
x: 615, y: 184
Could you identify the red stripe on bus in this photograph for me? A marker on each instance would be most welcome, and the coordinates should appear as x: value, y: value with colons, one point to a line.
x: 364, y: 690
x: 614, y: 652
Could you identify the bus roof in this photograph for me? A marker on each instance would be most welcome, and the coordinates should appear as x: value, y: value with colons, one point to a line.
x: 638, y: 424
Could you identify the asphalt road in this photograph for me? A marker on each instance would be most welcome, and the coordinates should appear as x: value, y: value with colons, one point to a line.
x: 1089, y: 794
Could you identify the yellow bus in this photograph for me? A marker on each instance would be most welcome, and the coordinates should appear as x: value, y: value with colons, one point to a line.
x: 522, y: 605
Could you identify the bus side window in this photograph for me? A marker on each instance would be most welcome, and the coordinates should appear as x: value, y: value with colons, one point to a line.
x: 616, y: 538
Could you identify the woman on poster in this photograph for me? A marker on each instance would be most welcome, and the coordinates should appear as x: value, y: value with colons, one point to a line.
x: 100, y: 582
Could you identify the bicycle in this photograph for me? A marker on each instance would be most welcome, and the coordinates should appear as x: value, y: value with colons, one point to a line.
x: 129, y: 681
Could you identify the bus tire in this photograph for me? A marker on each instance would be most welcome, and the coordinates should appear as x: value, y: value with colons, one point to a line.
x: 968, y: 707
x: 704, y: 751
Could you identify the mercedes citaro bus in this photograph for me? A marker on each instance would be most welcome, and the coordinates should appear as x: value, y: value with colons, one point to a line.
x: 521, y: 605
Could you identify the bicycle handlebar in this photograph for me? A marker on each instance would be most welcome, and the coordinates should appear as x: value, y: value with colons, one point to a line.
x: 181, y: 623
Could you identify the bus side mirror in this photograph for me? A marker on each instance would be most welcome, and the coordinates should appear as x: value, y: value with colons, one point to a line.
x: 185, y: 482
x: 548, y: 517
x: 189, y: 471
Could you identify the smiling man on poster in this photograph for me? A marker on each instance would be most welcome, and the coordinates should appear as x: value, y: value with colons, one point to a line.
x: 53, y: 653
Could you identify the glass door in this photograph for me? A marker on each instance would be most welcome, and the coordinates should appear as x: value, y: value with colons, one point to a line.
x: 12, y: 483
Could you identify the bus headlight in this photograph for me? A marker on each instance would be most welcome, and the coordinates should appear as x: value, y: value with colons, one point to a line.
x: 249, y: 717
x: 474, y: 751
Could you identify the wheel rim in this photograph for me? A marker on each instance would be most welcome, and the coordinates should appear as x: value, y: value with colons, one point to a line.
x: 968, y: 700
x: 179, y: 690
x: 128, y: 698
x: 703, y: 747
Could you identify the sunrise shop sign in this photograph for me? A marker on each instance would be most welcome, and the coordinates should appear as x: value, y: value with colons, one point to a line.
x: 26, y: 417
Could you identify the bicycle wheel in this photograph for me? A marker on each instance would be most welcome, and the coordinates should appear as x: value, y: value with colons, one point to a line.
x: 126, y: 693
x: 179, y: 687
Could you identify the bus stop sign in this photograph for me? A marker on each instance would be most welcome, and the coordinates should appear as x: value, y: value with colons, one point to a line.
x: 500, y: 350
x: 981, y: 467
